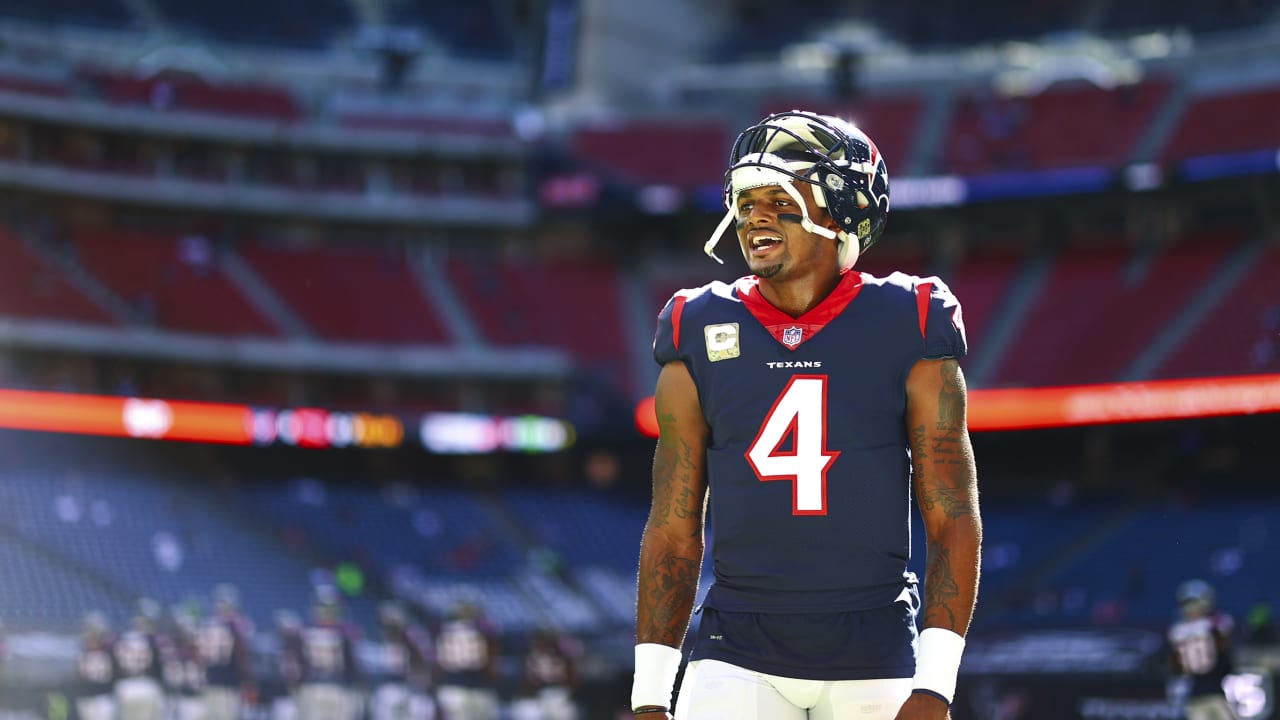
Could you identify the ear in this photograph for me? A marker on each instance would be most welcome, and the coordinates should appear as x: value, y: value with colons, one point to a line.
x: 825, y: 219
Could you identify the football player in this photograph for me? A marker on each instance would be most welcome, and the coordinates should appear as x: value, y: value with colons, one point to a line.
x: 1201, y: 642
x: 799, y: 407
x: 184, y: 671
x: 405, y: 651
x: 141, y: 653
x: 329, y: 670
x: 467, y: 665
x: 282, y: 689
x: 223, y: 639
x: 550, y: 678
x: 96, y: 669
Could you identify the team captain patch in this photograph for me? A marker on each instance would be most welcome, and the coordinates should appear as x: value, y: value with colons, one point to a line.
x: 722, y: 341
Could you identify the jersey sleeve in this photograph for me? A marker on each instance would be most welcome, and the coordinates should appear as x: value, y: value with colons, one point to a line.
x: 941, y: 320
x: 666, y: 339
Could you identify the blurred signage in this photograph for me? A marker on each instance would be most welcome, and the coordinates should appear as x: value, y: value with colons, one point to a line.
x: 919, y: 192
x: 1018, y: 409
x: 158, y: 419
x: 571, y: 190
x: 316, y: 428
x: 1063, y: 651
x: 473, y: 434
x: 123, y: 417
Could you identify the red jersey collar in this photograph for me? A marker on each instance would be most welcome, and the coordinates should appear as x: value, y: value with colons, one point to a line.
x: 794, y: 332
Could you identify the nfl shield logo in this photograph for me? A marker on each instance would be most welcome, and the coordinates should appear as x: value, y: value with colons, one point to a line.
x: 792, y: 336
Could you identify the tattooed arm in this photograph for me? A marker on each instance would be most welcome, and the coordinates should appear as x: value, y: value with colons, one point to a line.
x: 671, y: 550
x: 946, y: 490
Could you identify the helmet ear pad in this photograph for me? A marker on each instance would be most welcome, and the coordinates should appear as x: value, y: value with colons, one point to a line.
x: 849, y: 248
x: 858, y: 203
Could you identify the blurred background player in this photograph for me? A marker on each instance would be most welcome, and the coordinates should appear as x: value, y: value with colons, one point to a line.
x: 405, y: 652
x: 466, y: 657
x: 96, y: 669
x: 329, y: 670
x: 550, y: 679
x: 287, y: 679
x: 1201, y: 645
x: 184, y: 674
x: 223, y: 640
x: 140, y: 654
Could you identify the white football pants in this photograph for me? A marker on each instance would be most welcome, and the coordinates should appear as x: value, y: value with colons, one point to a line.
x: 715, y: 690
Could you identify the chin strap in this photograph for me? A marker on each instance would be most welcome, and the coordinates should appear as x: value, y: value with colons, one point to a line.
x: 748, y: 177
x: 709, y: 247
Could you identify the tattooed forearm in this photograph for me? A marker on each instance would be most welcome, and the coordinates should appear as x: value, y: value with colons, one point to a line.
x: 673, y: 484
x: 666, y: 599
x: 955, y: 502
x: 673, y: 468
x: 951, y: 399
x: 940, y: 589
x: 672, y: 548
x: 690, y: 504
x: 946, y: 488
x: 943, y: 455
x: 919, y: 443
x: 664, y: 474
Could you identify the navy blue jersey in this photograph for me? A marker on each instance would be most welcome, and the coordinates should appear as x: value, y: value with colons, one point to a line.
x: 853, y: 645
x: 808, y: 463
x: 139, y: 653
x: 1196, y: 644
x: 223, y: 644
x: 96, y: 667
x: 328, y: 654
x: 405, y: 654
x: 463, y: 653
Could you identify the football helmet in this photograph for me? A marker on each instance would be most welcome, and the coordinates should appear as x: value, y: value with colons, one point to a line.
x: 849, y: 175
x: 391, y: 614
x: 226, y: 597
x: 95, y: 624
x: 326, y: 609
x: 1196, y: 597
x: 1195, y: 591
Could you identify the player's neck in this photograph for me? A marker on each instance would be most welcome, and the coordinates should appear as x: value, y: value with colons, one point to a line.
x: 799, y: 296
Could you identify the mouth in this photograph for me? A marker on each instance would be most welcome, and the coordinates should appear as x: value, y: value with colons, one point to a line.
x: 762, y: 243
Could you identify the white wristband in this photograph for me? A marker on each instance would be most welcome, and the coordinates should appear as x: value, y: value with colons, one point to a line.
x: 938, y: 662
x: 655, y: 677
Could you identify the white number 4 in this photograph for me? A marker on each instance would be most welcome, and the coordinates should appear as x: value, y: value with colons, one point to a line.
x: 799, y: 413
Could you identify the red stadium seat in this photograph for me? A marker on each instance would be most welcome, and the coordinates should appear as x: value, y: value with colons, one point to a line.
x: 1241, y: 334
x: 351, y: 293
x: 567, y: 304
x: 675, y: 152
x: 1087, y: 323
x: 1227, y: 122
x: 179, y: 286
x: 1070, y: 126
x: 29, y: 288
